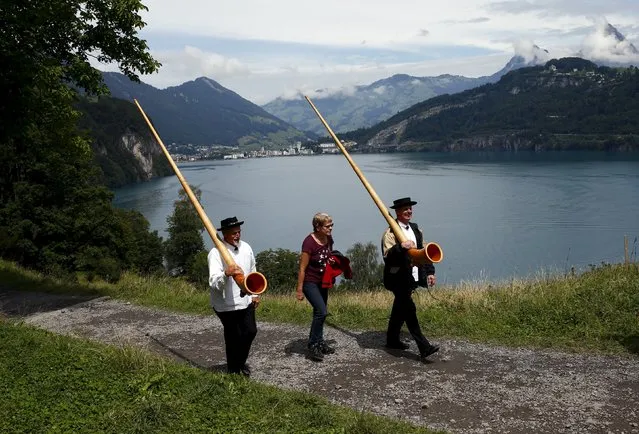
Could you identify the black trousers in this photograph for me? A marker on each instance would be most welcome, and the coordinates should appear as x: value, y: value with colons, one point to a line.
x: 405, y: 311
x: 239, y: 331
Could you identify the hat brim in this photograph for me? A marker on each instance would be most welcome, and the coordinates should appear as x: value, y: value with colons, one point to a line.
x: 240, y: 223
x: 411, y: 203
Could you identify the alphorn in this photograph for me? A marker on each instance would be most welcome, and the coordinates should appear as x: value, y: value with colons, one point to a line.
x: 431, y: 253
x: 254, y: 283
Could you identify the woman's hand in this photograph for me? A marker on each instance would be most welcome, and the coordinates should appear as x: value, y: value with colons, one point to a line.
x: 431, y: 280
x: 299, y: 294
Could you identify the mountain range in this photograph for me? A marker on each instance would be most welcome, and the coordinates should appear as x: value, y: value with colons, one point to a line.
x: 364, y: 106
x: 568, y: 103
x: 203, y: 112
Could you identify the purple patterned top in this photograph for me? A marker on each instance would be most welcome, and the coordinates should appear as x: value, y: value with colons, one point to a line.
x: 318, y: 255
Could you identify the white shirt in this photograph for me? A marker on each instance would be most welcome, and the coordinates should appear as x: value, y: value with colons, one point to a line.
x: 225, y: 294
x: 410, y: 234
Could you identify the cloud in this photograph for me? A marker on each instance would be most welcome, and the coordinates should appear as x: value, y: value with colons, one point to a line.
x: 531, y: 52
x: 477, y: 20
x: 192, y: 60
x: 606, y: 44
x: 580, y: 8
x: 380, y: 90
x: 263, y: 50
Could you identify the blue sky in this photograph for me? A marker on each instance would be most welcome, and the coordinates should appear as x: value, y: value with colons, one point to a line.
x: 266, y: 49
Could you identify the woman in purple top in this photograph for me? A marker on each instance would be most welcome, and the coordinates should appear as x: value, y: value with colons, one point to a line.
x: 316, y: 249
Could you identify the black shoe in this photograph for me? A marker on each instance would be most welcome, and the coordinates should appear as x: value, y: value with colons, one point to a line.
x: 430, y: 351
x: 315, y: 353
x: 325, y: 348
x: 245, y: 370
x: 399, y: 345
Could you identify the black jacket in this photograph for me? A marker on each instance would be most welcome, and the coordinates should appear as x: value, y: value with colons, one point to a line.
x: 398, y: 271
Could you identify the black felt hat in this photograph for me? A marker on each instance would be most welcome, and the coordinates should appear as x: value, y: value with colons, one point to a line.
x: 228, y: 223
x: 404, y: 201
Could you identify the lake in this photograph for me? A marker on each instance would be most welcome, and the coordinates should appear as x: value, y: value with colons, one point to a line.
x: 496, y: 215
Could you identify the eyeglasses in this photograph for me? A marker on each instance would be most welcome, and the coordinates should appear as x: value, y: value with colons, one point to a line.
x: 329, y: 226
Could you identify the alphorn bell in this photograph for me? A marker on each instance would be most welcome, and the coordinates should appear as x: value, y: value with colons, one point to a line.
x: 254, y: 283
x: 431, y: 253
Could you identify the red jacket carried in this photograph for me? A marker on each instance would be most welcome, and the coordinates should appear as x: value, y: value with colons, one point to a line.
x: 336, y: 265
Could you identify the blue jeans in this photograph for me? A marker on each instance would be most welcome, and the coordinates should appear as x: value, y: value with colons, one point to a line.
x: 318, y: 298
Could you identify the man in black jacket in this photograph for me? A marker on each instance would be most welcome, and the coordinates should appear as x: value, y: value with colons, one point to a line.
x: 402, y: 278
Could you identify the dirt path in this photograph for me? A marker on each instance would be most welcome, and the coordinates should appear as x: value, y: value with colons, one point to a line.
x: 468, y: 388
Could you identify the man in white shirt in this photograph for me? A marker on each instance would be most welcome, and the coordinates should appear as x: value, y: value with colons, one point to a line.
x: 234, y: 307
x: 402, y: 278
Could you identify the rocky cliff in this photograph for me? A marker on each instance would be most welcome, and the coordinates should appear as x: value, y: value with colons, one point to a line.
x: 124, y: 147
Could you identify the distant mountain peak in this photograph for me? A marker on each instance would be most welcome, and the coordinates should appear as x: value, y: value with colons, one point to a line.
x: 211, y: 83
x: 608, y: 46
x: 527, y: 53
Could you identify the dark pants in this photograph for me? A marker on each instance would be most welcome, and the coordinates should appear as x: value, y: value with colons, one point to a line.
x: 404, y: 311
x: 239, y: 331
x: 318, y: 298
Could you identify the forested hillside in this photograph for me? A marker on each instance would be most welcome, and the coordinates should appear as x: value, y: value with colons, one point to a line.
x: 565, y: 104
x: 203, y: 112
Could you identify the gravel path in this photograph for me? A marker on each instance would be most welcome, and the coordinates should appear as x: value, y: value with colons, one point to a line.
x: 468, y: 388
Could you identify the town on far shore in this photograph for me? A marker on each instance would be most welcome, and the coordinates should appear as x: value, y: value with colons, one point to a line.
x: 190, y: 152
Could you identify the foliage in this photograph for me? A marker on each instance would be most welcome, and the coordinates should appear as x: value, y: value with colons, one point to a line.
x: 54, y: 213
x: 185, y: 234
x: 51, y: 383
x: 197, y: 270
x: 280, y: 266
x: 366, y: 266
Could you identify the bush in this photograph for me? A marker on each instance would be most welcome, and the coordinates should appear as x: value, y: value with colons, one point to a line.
x: 366, y: 266
x: 280, y: 267
x: 197, y: 271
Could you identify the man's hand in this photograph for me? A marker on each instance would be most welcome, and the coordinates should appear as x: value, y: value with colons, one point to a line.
x: 431, y: 280
x: 233, y: 270
x: 256, y: 301
x: 408, y: 244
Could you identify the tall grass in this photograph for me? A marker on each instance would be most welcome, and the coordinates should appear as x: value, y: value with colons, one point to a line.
x: 596, y: 310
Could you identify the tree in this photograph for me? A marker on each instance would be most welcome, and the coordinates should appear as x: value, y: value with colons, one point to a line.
x: 54, y: 213
x: 366, y: 266
x: 280, y: 267
x: 185, y: 234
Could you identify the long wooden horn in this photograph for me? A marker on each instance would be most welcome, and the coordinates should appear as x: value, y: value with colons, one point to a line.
x: 431, y: 253
x: 254, y: 283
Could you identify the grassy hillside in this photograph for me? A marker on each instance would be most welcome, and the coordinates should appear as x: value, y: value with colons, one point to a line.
x: 596, y: 311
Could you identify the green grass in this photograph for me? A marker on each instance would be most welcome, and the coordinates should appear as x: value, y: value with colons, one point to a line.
x: 595, y: 311
x: 56, y: 384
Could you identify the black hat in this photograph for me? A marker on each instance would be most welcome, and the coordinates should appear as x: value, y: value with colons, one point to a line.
x: 229, y: 223
x: 404, y: 201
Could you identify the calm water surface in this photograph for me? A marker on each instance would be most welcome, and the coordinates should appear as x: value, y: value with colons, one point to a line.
x: 496, y: 215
